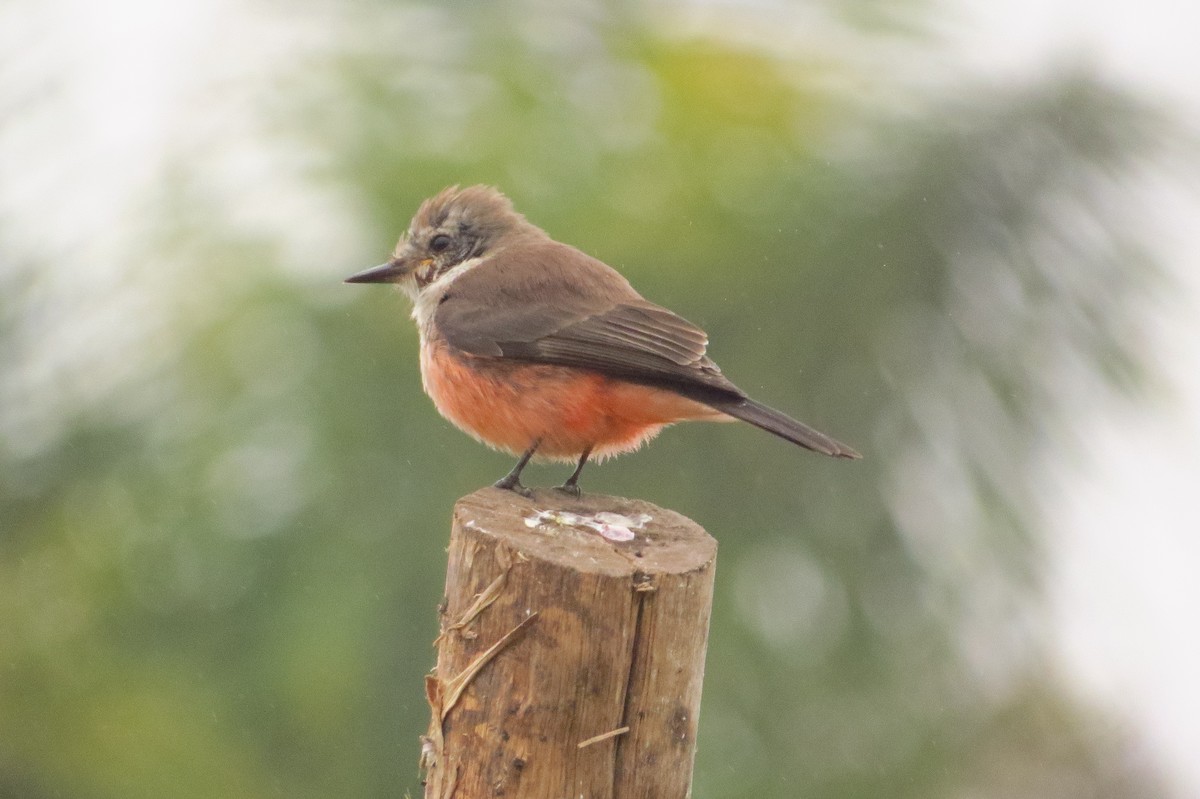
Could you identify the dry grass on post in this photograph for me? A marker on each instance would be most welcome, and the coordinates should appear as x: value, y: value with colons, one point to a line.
x: 568, y: 663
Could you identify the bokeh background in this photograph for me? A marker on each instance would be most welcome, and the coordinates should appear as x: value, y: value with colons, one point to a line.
x: 956, y: 235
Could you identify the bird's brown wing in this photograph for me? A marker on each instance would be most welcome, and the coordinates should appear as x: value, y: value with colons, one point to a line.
x: 578, y: 312
x: 563, y: 307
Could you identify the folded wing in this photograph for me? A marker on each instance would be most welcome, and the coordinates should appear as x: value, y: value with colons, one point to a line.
x: 573, y: 310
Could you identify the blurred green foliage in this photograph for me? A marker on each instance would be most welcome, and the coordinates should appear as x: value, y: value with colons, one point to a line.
x: 218, y: 577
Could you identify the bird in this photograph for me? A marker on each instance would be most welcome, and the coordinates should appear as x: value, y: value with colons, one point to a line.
x: 537, y: 349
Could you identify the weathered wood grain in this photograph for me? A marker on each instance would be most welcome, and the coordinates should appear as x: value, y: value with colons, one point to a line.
x: 554, y: 640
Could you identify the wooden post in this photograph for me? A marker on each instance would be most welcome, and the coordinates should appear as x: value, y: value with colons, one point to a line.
x: 569, y: 664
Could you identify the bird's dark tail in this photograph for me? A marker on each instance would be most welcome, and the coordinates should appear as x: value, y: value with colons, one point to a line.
x: 783, y: 426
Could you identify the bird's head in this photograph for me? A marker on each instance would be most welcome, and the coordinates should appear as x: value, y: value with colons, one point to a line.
x: 449, y: 230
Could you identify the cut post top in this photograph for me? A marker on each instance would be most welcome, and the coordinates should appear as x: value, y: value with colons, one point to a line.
x: 584, y: 532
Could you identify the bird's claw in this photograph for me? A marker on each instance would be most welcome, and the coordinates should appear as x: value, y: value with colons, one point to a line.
x: 510, y: 483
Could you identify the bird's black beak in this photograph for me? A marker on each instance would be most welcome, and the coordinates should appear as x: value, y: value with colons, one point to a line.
x: 390, y: 272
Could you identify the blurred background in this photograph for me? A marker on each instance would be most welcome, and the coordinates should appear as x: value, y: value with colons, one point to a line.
x: 958, y: 235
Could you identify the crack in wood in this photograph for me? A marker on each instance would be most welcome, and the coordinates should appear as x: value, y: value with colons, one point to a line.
x: 635, y: 667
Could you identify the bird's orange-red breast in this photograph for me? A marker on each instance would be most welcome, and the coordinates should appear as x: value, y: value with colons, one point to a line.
x: 538, y: 349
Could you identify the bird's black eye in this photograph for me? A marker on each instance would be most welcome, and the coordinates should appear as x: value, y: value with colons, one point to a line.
x: 439, y: 243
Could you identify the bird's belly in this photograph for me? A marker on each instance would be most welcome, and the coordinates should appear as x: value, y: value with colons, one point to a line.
x: 509, y: 405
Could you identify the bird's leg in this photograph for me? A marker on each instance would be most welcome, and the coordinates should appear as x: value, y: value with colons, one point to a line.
x: 572, y: 484
x: 512, y: 480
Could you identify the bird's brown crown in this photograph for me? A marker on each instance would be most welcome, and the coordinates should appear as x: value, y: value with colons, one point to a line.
x: 481, y: 212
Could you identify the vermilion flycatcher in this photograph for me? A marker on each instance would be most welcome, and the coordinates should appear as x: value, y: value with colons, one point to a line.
x: 532, y: 346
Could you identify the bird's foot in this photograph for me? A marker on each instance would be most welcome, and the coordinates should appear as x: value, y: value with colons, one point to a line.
x: 571, y: 487
x: 511, y: 482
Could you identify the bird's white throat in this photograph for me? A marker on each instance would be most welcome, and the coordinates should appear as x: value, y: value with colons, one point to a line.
x: 425, y: 300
